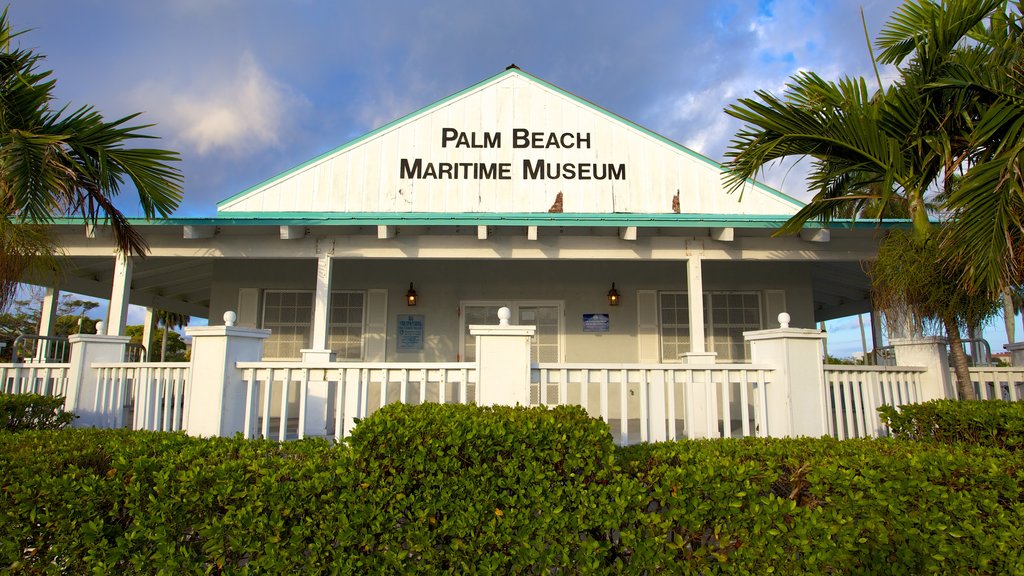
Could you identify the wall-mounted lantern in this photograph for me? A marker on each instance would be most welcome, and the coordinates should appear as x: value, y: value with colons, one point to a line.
x: 613, y: 296
x: 410, y: 296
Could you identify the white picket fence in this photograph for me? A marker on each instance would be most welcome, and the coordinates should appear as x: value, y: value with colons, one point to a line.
x: 34, y: 378
x: 293, y: 400
x: 854, y: 393
x: 991, y: 383
x: 650, y: 402
x: 142, y: 395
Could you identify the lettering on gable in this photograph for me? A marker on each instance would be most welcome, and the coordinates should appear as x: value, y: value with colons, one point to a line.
x: 528, y: 169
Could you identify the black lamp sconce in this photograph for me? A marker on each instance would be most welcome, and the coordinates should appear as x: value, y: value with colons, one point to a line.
x: 410, y: 296
x: 613, y: 296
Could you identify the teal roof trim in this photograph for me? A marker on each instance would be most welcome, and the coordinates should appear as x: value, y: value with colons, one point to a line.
x: 498, y: 219
x: 508, y: 71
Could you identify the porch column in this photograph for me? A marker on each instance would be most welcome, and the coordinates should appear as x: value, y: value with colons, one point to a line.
x: 318, y: 350
x: 147, y: 333
x: 1016, y: 351
x: 698, y: 353
x: 99, y: 404
x: 503, y: 362
x: 796, y: 404
x: 217, y: 401
x: 47, y: 318
x: 932, y: 353
x: 117, y: 313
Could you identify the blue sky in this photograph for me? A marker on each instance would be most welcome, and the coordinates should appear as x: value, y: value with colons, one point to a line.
x: 245, y: 89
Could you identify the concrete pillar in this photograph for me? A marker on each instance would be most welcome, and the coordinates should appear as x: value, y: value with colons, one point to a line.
x: 1016, y: 351
x: 796, y: 404
x: 503, y: 362
x: 318, y: 349
x: 929, y: 352
x: 47, y: 319
x: 147, y: 334
x: 698, y: 353
x: 117, y: 313
x: 95, y: 405
x: 216, y: 404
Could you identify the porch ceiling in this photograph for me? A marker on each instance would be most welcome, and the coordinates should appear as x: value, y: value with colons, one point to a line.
x: 178, y: 274
x: 840, y: 289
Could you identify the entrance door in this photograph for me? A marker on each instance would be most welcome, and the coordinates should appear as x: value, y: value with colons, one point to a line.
x: 546, y: 345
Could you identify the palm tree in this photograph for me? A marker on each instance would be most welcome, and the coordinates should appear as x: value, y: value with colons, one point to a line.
x: 901, y: 145
x: 168, y: 320
x: 65, y: 162
x: 967, y: 59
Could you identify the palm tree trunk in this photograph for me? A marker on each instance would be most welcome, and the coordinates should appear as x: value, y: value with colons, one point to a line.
x: 1009, y: 318
x: 960, y: 364
x: 163, y: 346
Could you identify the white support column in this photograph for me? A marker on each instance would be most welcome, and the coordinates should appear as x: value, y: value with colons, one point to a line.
x: 503, y: 362
x: 932, y: 353
x: 796, y: 394
x: 318, y: 350
x: 147, y: 333
x: 698, y: 353
x: 47, y: 318
x: 216, y: 403
x: 117, y: 314
x: 97, y: 403
x: 1016, y: 351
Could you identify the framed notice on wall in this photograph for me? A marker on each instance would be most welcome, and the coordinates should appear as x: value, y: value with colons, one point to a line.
x: 410, y: 332
x: 595, y: 322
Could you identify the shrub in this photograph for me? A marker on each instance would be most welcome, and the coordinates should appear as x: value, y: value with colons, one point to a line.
x: 459, y: 489
x: 456, y: 489
x: 821, y: 506
x: 33, y: 412
x: 983, y: 422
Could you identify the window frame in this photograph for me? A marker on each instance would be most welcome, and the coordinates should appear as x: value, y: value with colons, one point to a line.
x: 514, y: 306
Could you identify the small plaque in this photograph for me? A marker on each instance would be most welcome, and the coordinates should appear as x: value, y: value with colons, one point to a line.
x: 410, y: 332
x: 595, y: 322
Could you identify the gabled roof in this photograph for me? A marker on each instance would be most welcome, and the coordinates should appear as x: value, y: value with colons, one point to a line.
x: 393, y: 169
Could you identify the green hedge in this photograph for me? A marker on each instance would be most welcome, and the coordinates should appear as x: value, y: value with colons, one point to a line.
x: 982, y: 422
x: 456, y: 489
x: 33, y: 412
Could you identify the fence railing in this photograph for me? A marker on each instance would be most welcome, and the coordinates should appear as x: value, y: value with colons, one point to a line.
x: 854, y: 393
x: 992, y: 383
x: 647, y: 402
x: 293, y: 400
x: 32, y: 378
x: 35, y: 348
x: 142, y: 395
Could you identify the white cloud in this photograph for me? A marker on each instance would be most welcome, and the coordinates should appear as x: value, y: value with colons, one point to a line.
x: 239, y: 113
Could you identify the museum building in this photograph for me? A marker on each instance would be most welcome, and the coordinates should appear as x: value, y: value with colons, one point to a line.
x: 617, y: 243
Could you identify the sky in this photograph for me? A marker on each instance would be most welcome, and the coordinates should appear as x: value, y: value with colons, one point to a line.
x: 245, y: 89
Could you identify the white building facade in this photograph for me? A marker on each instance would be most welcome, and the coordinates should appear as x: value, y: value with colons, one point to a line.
x: 512, y: 193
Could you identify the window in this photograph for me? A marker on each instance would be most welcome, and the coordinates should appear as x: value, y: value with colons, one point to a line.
x: 345, y: 334
x: 289, y: 316
x: 546, y: 345
x: 726, y: 316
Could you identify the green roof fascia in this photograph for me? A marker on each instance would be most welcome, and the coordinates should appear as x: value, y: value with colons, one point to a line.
x: 494, y: 78
x: 499, y: 219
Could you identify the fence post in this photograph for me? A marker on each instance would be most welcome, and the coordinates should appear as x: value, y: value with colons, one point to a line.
x: 84, y: 396
x: 929, y: 352
x: 216, y: 402
x: 503, y: 362
x: 1016, y: 351
x: 796, y: 394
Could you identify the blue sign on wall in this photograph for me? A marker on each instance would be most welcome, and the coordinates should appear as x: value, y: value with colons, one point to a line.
x: 595, y: 322
x: 410, y: 332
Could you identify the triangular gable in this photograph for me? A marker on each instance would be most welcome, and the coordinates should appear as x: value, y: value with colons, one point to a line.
x: 510, y: 144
